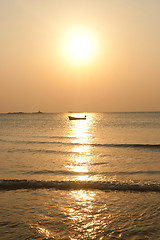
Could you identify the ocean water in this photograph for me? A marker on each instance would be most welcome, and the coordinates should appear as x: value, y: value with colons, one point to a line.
x: 97, y: 178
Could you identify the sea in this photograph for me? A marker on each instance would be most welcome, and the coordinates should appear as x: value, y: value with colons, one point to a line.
x: 97, y: 178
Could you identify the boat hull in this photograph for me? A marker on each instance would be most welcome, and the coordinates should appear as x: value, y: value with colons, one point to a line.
x: 76, y: 118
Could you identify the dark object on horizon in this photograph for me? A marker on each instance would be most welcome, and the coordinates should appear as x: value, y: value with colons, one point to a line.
x: 77, y: 118
x: 15, y: 112
x: 37, y: 112
x: 23, y: 112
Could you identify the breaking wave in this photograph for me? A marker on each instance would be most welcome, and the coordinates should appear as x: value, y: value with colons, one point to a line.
x: 76, y: 185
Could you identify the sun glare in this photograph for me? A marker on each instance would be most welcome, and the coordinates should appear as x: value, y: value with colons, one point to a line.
x: 79, y: 46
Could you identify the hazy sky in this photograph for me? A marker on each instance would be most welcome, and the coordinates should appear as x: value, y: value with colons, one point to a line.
x: 37, y: 71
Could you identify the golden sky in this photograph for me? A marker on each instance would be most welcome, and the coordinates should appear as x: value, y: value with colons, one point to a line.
x: 79, y: 55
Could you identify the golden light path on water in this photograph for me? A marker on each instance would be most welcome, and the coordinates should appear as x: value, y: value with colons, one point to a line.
x: 81, y: 213
x: 84, y: 217
x: 80, y: 133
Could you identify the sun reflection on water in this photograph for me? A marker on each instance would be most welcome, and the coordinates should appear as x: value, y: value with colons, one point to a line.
x: 83, y: 196
x: 80, y: 162
x: 80, y: 130
x: 43, y: 231
x: 82, y: 213
x: 83, y: 199
x: 85, y: 216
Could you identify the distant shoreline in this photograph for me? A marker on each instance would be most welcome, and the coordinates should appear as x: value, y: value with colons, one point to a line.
x: 39, y: 112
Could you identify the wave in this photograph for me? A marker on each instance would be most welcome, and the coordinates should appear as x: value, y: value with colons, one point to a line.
x: 77, y: 185
x: 48, y: 172
x: 129, y: 145
x: 73, y: 173
x: 107, y: 145
x: 43, y: 151
x: 47, y: 151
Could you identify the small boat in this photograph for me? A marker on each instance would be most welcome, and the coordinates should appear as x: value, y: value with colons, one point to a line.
x: 77, y: 118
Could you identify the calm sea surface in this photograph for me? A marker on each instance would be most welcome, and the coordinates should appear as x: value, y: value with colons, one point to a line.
x: 97, y: 178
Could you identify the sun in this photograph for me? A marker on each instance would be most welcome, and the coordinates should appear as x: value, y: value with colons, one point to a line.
x: 79, y: 46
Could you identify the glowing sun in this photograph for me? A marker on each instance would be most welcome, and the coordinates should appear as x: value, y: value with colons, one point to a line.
x: 80, y: 46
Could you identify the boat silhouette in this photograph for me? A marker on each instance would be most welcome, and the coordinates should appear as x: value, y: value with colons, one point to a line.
x: 77, y: 118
